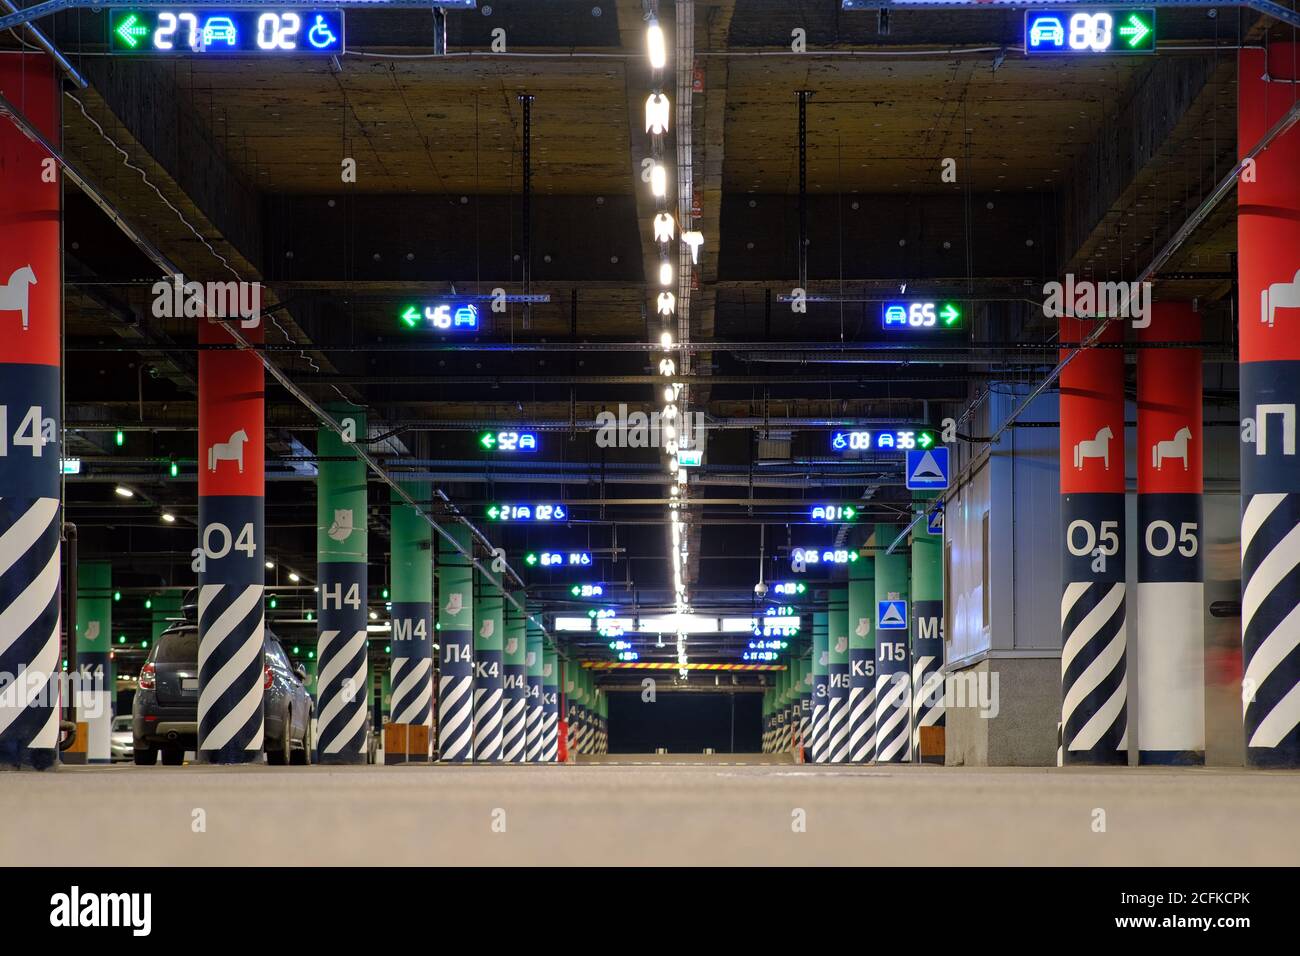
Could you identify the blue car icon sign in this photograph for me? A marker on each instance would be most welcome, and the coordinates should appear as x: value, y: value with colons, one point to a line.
x: 1047, y: 30
x: 216, y: 29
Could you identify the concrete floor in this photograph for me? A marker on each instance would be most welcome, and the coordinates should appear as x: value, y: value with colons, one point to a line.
x: 618, y: 814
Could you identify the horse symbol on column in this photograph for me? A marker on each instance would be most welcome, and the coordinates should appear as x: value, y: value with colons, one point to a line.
x: 1098, y: 447
x: 14, y: 293
x: 232, y: 450
x: 1176, y: 447
x: 1279, y: 295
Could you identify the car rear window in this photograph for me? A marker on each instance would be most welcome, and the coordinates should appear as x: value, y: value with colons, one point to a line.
x: 180, y: 647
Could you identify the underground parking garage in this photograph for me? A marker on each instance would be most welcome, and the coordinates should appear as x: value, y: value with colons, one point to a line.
x: 711, y: 432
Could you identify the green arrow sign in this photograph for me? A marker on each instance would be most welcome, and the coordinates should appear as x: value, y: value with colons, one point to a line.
x: 1134, y: 30
x: 130, y: 30
x: 411, y: 316
x: 925, y: 439
x: 951, y: 315
x: 488, y: 440
x: 493, y: 512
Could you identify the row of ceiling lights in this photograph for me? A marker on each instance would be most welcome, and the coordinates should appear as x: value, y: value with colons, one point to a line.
x: 658, y: 109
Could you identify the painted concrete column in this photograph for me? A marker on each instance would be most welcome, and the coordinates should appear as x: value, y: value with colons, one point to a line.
x: 604, y: 722
x: 489, y: 685
x: 893, y: 684
x: 94, y: 665
x: 514, y: 714
x: 774, y: 714
x: 927, y: 644
x: 1170, y: 564
x: 789, y: 707
x: 778, y: 704
x: 1268, y: 265
x: 411, y: 669
x: 837, y: 687
x: 765, y: 724
x: 533, y: 661
x: 862, y: 660
x: 456, y: 642
x: 341, y: 508
x: 31, y: 264
x: 805, y: 708
x: 821, y: 690
x: 550, y: 705
x: 1094, y: 713
x: 231, y: 554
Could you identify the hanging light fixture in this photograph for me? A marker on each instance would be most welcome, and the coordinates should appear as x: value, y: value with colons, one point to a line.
x: 657, y: 107
x: 667, y: 306
x: 655, y: 45
x: 665, y: 273
x: 658, y: 181
x: 665, y: 228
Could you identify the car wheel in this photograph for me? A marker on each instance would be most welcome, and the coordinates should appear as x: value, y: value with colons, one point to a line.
x: 283, y: 754
x: 302, y: 758
x: 173, y: 756
x: 146, y: 756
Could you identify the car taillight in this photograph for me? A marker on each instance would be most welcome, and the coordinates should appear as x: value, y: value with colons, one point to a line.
x: 266, y: 677
x: 147, y: 677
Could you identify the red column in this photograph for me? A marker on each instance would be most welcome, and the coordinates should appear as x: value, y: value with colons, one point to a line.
x: 1268, y: 266
x: 1094, y: 710
x: 232, y: 572
x: 1171, y: 579
x: 31, y: 285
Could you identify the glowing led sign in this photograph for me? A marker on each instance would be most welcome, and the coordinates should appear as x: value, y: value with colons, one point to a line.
x: 535, y: 512
x: 587, y: 590
x: 789, y: 588
x: 555, y: 559
x: 914, y: 316
x: 508, y: 441
x: 829, y: 556
x: 1087, y: 31
x: 442, y: 316
x: 834, y: 514
x: 897, y: 439
x: 214, y: 32
x: 690, y: 457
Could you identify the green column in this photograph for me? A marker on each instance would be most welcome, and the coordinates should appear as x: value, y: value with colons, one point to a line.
x: 514, y: 714
x: 862, y: 661
x: 488, y: 679
x: 411, y: 661
x: 456, y: 639
x: 820, y: 694
x: 534, y: 661
x: 550, y: 705
x: 927, y: 640
x: 96, y: 687
x: 893, y: 683
x: 837, y: 683
x: 342, y: 553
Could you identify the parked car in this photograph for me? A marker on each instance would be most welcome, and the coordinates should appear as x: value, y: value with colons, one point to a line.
x: 164, y: 716
x: 121, y: 740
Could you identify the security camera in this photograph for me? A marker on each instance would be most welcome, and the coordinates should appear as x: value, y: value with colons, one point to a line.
x: 761, y: 589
